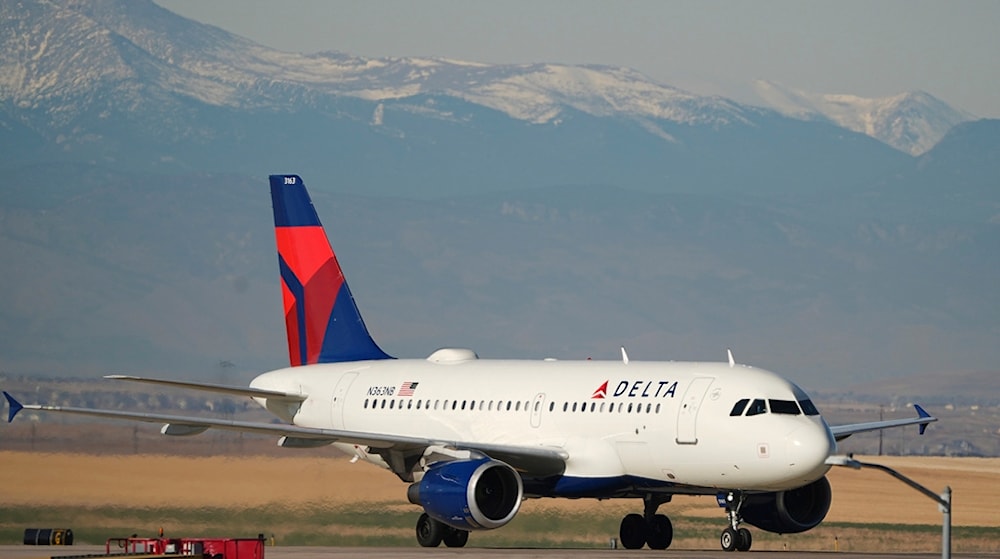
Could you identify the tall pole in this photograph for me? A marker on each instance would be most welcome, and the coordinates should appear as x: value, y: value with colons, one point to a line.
x: 945, y: 507
x: 881, y: 414
x: 943, y: 500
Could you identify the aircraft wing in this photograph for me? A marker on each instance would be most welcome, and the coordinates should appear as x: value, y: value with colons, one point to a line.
x: 841, y: 432
x: 540, y: 461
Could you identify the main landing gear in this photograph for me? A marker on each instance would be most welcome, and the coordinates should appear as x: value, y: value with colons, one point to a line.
x: 733, y: 537
x: 431, y: 533
x: 649, y: 528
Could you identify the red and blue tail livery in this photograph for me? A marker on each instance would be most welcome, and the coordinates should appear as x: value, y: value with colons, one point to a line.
x: 322, y: 321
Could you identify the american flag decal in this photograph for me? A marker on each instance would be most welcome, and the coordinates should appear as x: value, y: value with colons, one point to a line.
x: 407, y: 388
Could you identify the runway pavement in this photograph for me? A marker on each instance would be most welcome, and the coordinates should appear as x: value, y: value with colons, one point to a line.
x: 279, y: 552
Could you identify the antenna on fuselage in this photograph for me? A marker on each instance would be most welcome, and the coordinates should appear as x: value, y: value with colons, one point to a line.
x: 732, y: 361
x: 624, y: 356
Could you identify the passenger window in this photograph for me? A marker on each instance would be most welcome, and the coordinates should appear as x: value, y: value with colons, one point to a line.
x: 757, y: 407
x: 454, y: 404
x: 808, y: 408
x: 784, y: 407
x: 739, y: 407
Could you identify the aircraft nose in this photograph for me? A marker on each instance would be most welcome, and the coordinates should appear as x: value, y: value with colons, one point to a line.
x: 808, y: 447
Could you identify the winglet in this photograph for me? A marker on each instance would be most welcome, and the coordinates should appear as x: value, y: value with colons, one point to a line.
x: 922, y: 413
x: 15, y: 406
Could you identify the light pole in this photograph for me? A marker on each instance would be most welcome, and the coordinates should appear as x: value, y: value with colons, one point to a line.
x: 943, y: 500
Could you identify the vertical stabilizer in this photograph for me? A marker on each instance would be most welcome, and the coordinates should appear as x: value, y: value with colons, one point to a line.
x: 321, y: 318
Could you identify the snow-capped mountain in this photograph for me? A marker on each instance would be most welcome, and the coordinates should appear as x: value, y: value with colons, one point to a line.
x: 69, y: 49
x: 911, y: 122
x: 128, y: 83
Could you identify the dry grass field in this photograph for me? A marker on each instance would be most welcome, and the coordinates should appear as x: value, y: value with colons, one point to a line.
x: 863, y: 496
x: 110, y: 479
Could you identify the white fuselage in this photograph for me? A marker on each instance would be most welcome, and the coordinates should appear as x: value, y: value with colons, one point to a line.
x: 666, y: 423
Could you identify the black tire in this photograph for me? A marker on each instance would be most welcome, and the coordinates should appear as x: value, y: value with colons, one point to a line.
x: 632, y: 533
x: 659, y: 532
x: 729, y: 539
x: 745, y: 540
x: 453, y: 537
x: 430, y: 532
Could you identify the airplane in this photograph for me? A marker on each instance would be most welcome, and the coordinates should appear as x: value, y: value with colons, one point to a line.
x: 475, y: 437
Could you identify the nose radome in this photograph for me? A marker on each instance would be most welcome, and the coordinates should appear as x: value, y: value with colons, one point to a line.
x: 807, y: 448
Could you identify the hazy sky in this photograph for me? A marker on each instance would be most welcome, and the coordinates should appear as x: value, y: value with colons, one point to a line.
x: 950, y: 49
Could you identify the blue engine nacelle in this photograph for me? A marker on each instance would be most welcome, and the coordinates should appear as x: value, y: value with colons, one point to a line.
x: 789, y: 512
x: 479, y: 494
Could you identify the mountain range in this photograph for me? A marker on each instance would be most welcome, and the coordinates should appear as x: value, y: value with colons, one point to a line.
x: 537, y: 210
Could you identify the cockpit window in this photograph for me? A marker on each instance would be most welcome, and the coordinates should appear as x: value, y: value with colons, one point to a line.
x: 808, y: 408
x: 786, y: 407
x: 757, y: 407
x: 739, y: 407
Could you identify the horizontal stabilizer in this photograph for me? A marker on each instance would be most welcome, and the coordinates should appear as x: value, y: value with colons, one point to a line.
x: 217, y: 388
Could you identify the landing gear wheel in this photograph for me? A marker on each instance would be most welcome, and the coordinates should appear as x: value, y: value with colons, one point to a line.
x: 730, y: 538
x: 430, y: 532
x: 744, y: 540
x: 632, y: 533
x: 659, y: 532
x: 453, y: 537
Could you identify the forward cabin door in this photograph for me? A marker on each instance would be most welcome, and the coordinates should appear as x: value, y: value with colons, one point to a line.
x: 687, y: 414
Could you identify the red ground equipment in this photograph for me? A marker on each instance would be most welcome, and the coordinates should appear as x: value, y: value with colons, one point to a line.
x: 201, y: 548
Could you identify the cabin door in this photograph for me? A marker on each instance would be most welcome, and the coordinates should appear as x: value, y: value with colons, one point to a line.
x: 687, y: 414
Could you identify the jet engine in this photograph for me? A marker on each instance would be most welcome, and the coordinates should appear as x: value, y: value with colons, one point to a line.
x: 789, y: 512
x: 479, y: 494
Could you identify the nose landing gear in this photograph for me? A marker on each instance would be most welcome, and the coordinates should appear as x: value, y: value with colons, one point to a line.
x: 733, y: 537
